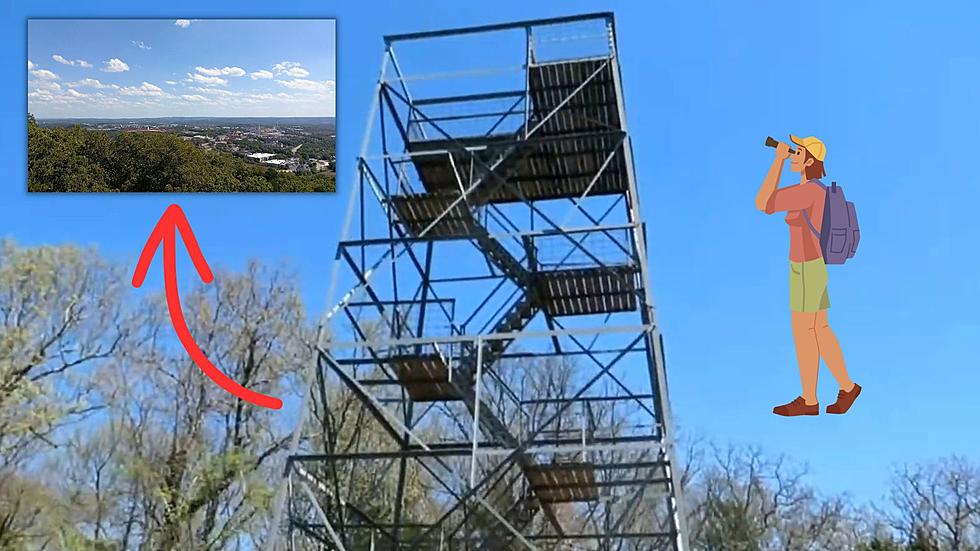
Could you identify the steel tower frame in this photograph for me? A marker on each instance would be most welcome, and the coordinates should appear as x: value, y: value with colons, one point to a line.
x: 499, y: 339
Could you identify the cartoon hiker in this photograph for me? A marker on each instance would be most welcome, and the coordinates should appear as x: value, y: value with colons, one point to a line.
x: 822, y: 229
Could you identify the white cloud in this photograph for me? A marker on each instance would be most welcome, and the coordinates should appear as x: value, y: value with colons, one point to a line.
x: 52, y: 93
x: 217, y: 92
x: 183, y: 23
x: 212, y: 81
x: 115, y: 65
x: 41, y: 95
x: 146, y: 89
x: 141, y: 45
x: 283, y: 65
x: 226, y: 71
x: 44, y: 74
x: 30, y: 65
x: 72, y: 62
x: 210, y: 90
x: 49, y: 85
x: 91, y: 83
x: 290, y: 69
x: 308, y: 85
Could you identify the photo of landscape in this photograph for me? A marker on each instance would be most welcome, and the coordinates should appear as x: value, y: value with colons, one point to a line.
x: 154, y: 105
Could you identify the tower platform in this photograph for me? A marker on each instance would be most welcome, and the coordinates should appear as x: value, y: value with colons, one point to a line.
x: 564, y: 482
x: 425, y: 377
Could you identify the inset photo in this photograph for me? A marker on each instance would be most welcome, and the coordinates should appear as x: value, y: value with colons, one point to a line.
x: 181, y: 105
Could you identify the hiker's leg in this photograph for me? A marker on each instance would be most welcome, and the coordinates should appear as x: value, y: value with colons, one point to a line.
x: 807, y: 352
x: 831, y: 352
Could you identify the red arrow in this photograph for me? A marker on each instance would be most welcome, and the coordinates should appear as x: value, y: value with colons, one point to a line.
x: 173, y: 219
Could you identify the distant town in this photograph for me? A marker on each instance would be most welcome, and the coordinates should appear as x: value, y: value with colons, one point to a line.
x: 293, y: 144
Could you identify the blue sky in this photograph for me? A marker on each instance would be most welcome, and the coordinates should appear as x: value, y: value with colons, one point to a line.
x: 892, y: 92
x: 185, y: 67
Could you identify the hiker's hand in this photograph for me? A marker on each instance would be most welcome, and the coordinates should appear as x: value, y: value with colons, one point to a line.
x: 782, y: 151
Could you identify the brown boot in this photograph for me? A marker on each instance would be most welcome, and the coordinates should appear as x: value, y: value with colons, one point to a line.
x: 797, y: 407
x: 844, y: 400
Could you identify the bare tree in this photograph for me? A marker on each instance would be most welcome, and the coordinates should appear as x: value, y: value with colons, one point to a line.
x: 741, y: 499
x: 937, y: 502
x: 204, y: 455
x: 164, y: 458
x: 61, y: 321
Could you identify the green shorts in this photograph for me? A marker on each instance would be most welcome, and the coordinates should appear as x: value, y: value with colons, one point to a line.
x: 808, y: 286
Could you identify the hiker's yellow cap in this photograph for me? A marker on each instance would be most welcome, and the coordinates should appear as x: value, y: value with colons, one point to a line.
x: 811, y: 144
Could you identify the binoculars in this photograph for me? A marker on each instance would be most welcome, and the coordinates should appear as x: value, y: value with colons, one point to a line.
x: 773, y: 142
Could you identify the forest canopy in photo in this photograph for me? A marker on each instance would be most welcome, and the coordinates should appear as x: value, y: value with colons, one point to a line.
x: 78, y: 160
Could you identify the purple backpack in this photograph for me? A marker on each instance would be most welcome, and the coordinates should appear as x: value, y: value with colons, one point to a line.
x: 839, y: 234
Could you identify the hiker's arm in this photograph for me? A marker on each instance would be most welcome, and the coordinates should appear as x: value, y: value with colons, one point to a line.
x: 771, y: 183
x: 795, y: 197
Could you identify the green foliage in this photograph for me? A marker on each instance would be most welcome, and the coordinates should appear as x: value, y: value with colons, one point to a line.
x: 57, y: 317
x: 923, y: 542
x: 728, y: 527
x: 920, y: 542
x: 79, y: 160
x: 880, y: 545
x: 108, y: 441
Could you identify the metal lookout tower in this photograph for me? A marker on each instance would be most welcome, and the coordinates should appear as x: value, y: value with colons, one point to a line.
x: 494, y: 377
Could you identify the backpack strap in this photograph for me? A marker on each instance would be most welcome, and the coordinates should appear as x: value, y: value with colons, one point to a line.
x: 806, y: 216
x: 808, y: 223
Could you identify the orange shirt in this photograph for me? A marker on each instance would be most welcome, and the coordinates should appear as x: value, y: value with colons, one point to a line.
x: 809, y: 197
